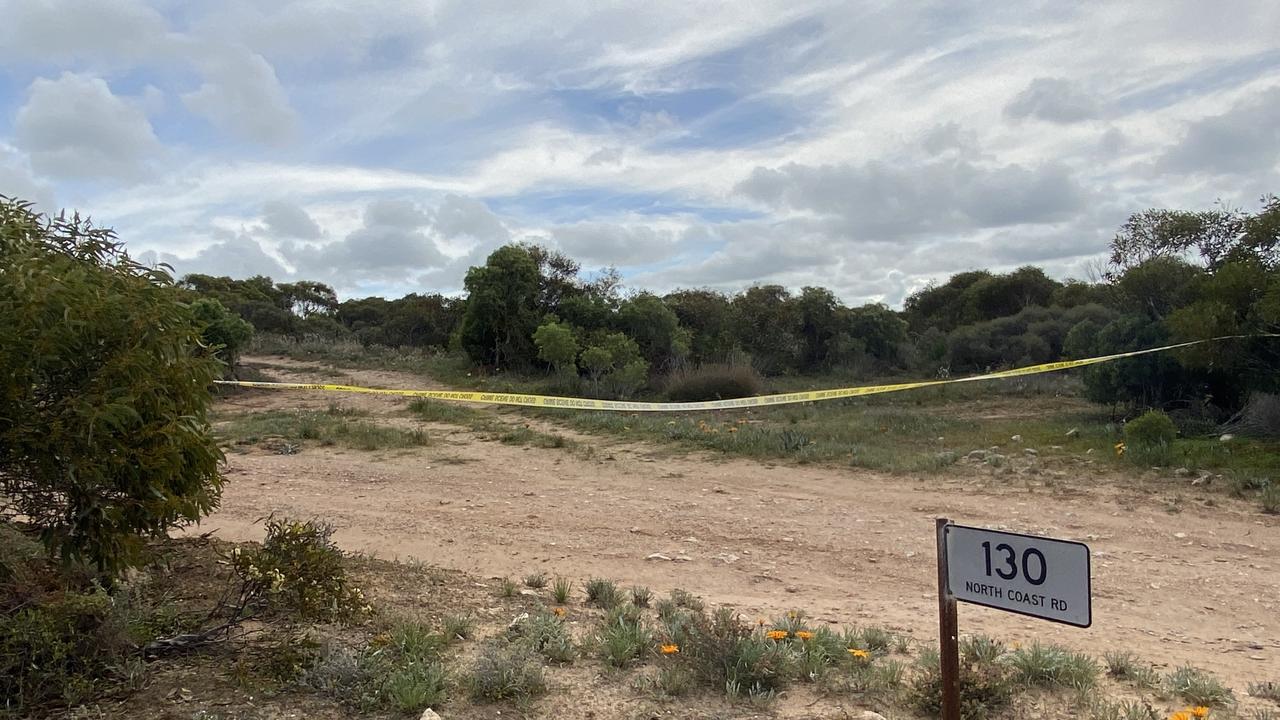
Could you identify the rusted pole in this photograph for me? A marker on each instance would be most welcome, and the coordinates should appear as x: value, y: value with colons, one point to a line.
x: 948, y: 633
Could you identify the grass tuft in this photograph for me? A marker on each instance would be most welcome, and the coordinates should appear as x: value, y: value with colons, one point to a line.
x: 561, y: 588
x: 1198, y: 687
x: 603, y: 593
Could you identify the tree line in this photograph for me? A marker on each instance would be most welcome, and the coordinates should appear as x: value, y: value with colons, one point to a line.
x: 1173, y: 276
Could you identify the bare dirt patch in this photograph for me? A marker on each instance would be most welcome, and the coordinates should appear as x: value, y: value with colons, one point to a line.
x: 1200, y: 586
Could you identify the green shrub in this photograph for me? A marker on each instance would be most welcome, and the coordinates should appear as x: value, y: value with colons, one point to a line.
x: 104, y: 387
x: 986, y: 686
x: 297, y: 569
x: 546, y: 634
x: 506, y: 672
x: 712, y: 382
x: 725, y: 652
x: 58, y: 649
x: 624, y: 636
x: 1151, y: 429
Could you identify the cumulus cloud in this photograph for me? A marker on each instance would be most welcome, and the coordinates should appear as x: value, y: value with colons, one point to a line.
x: 286, y: 220
x: 235, y: 255
x: 391, y: 245
x: 462, y: 217
x: 1245, y: 138
x: 17, y: 180
x: 75, y: 127
x: 110, y: 33
x: 1056, y: 100
x: 242, y: 96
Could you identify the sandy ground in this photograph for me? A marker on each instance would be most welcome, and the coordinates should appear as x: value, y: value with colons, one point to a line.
x: 853, y: 547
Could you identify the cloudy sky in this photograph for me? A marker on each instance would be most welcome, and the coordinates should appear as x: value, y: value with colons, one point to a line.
x: 383, y: 147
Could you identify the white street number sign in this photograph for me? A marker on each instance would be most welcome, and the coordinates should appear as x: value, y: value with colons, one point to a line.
x: 1026, y: 574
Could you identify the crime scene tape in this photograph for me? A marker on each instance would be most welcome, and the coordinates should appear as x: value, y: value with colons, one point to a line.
x: 571, y: 403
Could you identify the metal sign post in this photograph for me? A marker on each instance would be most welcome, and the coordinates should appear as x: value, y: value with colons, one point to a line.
x: 948, y: 632
x: 1025, y: 574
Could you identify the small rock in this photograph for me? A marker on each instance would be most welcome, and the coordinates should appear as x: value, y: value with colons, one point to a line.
x: 1089, y: 451
x: 977, y: 455
x: 1016, y: 438
x: 868, y: 715
x: 1182, y: 472
x: 1073, y: 432
x: 517, y: 620
x: 681, y: 558
x: 1030, y: 452
x: 1180, y: 535
x: 657, y: 556
x: 727, y: 558
x: 634, y: 529
x: 1227, y: 438
x: 792, y: 589
x: 429, y: 714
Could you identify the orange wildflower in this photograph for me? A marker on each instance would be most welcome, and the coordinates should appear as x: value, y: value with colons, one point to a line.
x: 777, y: 634
x: 671, y: 649
x: 859, y: 654
x: 558, y: 612
x: 804, y: 634
x: 1200, y: 711
x: 1180, y: 715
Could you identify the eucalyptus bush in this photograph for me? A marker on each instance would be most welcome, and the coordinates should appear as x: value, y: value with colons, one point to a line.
x: 104, y: 387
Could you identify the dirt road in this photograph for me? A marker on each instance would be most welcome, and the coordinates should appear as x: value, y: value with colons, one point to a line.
x: 1201, y: 586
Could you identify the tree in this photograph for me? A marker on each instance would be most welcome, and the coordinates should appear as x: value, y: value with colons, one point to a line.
x: 710, y: 318
x: 307, y: 297
x: 1216, y: 236
x: 655, y: 328
x: 222, y: 331
x: 557, y: 347
x: 104, y: 390
x: 769, y: 327
x: 616, y: 359
x: 502, y: 308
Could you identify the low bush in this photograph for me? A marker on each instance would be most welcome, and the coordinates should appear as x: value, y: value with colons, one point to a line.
x: 1198, y: 687
x: 1151, y: 429
x: 546, y: 634
x: 506, y: 671
x: 603, y: 593
x: 712, y: 382
x: 624, y: 636
x: 298, y: 569
x: 1052, y: 666
x: 986, y: 685
x: 725, y: 652
x: 57, y: 650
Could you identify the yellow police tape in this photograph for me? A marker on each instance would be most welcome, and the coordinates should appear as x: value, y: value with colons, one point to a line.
x: 552, y: 401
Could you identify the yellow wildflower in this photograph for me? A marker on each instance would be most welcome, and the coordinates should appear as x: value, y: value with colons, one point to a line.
x: 859, y: 653
x: 1180, y: 715
x: 558, y: 612
x: 1120, y: 449
x: 777, y: 634
x: 804, y: 634
x: 671, y: 649
x: 1200, y: 711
